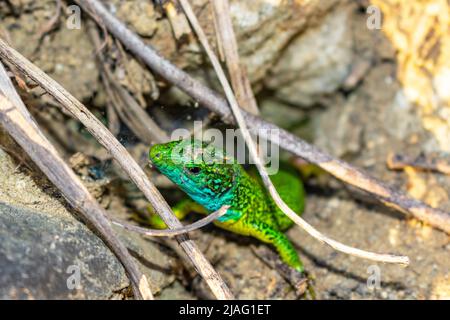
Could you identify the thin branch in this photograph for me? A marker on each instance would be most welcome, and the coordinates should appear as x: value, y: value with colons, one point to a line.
x: 51, y: 24
x: 126, y: 106
x: 387, y: 258
x: 111, y: 114
x: 227, y: 43
x: 299, y: 281
x: 179, y: 23
x: 422, y: 162
x: 172, y: 232
x: 124, y: 159
x: 16, y: 119
x: 213, y: 101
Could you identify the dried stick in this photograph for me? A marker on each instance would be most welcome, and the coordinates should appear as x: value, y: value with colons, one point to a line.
x: 178, y: 21
x: 227, y: 42
x: 387, y: 258
x: 126, y: 106
x: 422, y: 162
x: 299, y: 281
x: 50, y: 25
x: 172, y: 232
x: 125, y: 160
x: 19, y: 123
x: 213, y: 101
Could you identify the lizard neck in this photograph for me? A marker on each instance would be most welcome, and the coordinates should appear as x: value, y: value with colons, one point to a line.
x: 214, y: 202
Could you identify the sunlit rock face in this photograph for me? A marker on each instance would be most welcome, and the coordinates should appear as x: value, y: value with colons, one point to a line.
x: 420, y: 31
x: 316, y: 62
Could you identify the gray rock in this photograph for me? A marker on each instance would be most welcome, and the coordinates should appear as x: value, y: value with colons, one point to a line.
x: 41, y: 257
x: 316, y: 62
x: 42, y: 244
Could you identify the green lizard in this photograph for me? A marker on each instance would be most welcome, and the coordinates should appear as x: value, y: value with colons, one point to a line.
x: 212, y: 179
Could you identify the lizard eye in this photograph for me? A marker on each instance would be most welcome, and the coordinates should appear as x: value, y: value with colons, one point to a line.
x: 194, y: 170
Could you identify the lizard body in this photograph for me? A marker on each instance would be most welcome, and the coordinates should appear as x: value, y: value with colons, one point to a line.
x: 212, y: 179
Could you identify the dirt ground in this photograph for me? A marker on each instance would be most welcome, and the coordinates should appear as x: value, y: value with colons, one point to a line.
x: 352, y: 105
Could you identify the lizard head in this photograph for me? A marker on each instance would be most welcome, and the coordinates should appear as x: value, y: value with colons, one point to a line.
x: 201, y: 170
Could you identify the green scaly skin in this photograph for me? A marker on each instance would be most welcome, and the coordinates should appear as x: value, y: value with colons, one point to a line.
x: 212, y: 179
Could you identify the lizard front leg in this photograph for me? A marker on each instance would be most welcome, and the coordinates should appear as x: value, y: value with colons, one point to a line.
x: 181, y: 210
x: 262, y: 231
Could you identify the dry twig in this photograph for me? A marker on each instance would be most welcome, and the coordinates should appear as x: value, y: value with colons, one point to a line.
x: 213, y: 101
x: 125, y: 105
x: 172, y: 232
x: 422, y: 162
x: 52, y: 23
x: 228, y: 45
x: 387, y: 258
x: 19, y: 123
x: 299, y: 281
x: 121, y: 155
